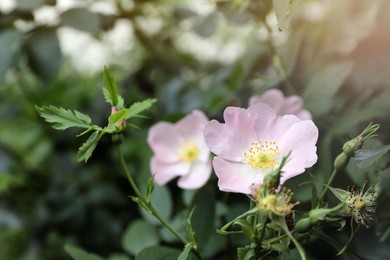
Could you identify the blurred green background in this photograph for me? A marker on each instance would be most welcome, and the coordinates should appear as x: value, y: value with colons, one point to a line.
x: 188, y: 54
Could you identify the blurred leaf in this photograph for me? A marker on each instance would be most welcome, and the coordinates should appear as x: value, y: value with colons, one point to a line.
x: 110, y: 89
x: 139, y: 235
x: 282, y: 10
x: 80, y: 254
x: 64, y: 118
x: 342, y: 195
x: 10, y: 42
x: 162, y: 201
x: 85, y: 151
x: 383, y: 207
x: 28, y: 5
x: 81, y: 19
x: 186, y: 252
x: 158, y: 253
x: 7, y: 181
x: 136, y: 108
x: 203, y: 216
x: 118, y: 256
x: 44, y: 53
x: 367, y: 158
x: 207, y: 25
x: 323, y: 85
x: 290, y: 50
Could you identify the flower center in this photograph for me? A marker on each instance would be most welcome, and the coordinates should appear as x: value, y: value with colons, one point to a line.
x: 358, y: 203
x: 262, y: 155
x: 189, y: 153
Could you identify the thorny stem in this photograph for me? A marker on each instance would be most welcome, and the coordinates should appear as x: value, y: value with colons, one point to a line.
x: 146, y: 203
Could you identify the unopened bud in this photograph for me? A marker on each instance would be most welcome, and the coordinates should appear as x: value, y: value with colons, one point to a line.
x: 303, y: 225
x: 341, y: 161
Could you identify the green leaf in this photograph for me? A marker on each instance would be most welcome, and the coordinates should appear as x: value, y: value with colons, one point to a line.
x: 85, y: 151
x: 323, y: 86
x: 203, y: 217
x: 342, y: 195
x: 118, y: 116
x: 139, y: 235
x: 63, y: 118
x: 44, y: 53
x: 138, y: 107
x: 110, y: 89
x: 79, y: 254
x: 383, y: 207
x: 367, y: 158
x: 186, y: 252
x: 160, y: 253
x: 162, y: 201
x: 10, y: 42
x: 81, y: 19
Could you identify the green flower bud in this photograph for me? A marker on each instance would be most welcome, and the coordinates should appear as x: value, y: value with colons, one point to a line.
x: 117, y: 139
x: 350, y: 147
x: 341, y: 161
x: 303, y: 225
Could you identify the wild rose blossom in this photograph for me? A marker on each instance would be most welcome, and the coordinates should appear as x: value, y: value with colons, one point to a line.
x: 252, y: 142
x: 180, y: 151
x: 282, y: 105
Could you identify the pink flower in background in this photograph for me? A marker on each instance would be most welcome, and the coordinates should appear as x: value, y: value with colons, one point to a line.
x: 282, y: 105
x: 252, y: 142
x: 180, y: 151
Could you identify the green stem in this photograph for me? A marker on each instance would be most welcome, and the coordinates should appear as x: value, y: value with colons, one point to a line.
x: 146, y: 203
x: 323, y: 193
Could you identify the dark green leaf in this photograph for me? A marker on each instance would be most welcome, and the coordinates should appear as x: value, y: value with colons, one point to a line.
x: 110, y: 89
x: 323, y: 85
x: 139, y: 235
x: 367, y: 158
x: 10, y: 41
x: 158, y: 253
x: 186, y: 252
x: 138, y: 107
x: 44, y: 53
x: 203, y: 216
x: 162, y: 201
x: 383, y: 207
x: 79, y: 254
x: 81, y: 19
x: 85, y: 151
x: 63, y: 118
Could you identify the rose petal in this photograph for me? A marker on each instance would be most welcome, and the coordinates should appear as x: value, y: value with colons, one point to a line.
x: 273, y: 97
x: 264, y: 118
x: 235, y: 177
x: 232, y: 139
x: 197, y: 177
x: 192, y: 126
x: 165, y: 140
x: 164, y: 172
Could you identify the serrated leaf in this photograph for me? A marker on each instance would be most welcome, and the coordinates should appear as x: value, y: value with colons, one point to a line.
x: 185, y: 253
x: 80, y: 254
x: 118, y: 116
x: 138, y: 107
x: 110, y: 89
x: 85, y: 151
x: 64, y: 118
x: 367, y: 158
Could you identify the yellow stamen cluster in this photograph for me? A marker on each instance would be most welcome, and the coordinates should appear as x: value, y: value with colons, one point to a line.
x: 262, y: 155
x: 361, y: 204
x: 189, y: 152
x: 278, y: 203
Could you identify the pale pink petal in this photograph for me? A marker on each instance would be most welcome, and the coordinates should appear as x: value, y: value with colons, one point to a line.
x: 164, y: 140
x: 197, y: 177
x: 164, y: 172
x: 231, y: 139
x: 192, y: 126
x: 304, y: 114
x: 291, y: 105
x: 273, y: 97
x: 264, y: 119
x: 236, y: 177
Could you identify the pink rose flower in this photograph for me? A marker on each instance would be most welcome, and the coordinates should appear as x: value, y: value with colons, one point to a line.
x: 180, y: 151
x: 282, y: 105
x: 252, y: 142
